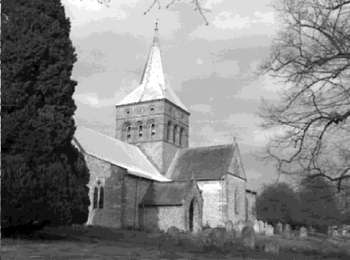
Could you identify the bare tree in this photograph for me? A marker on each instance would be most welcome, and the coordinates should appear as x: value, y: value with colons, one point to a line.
x: 311, y: 57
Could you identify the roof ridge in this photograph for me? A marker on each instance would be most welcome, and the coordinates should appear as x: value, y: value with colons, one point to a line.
x: 208, y: 146
x: 108, y: 136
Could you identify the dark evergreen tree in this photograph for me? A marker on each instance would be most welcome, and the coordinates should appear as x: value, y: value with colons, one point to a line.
x: 44, y: 176
x: 318, y: 203
x: 278, y: 203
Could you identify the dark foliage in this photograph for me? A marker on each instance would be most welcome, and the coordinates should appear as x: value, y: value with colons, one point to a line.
x: 44, y: 176
x: 278, y: 203
x: 318, y: 206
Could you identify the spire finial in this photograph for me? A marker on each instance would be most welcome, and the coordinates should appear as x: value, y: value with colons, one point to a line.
x: 156, y: 25
x: 156, y: 29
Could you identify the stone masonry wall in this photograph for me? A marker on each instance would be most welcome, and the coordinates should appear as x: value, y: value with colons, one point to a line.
x: 159, y: 146
x: 171, y: 216
x: 134, y: 190
x: 111, y: 179
x: 251, y: 206
x: 163, y: 217
x: 236, y: 194
x: 214, y: 202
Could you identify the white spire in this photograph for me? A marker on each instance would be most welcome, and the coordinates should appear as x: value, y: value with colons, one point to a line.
x: 152, y: 85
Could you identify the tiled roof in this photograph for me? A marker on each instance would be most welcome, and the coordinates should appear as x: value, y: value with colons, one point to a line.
x: 206, y: 163
x: 153, y: 85
x: 162, y: 194
x: 117, y: 152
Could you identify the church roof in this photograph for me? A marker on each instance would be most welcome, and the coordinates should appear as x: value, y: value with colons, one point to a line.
x: 206, y: 163
x: 163, y: 194
x: 117, y: 153
x: 153, y: 85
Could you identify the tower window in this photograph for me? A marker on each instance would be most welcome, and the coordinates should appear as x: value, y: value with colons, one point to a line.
x: 168, y: 131
x: 140, y: 131
x: 152, y: 108
x: 153, y: 129
x: 181, y: 136
x: 128, y: 131
x: 174, y: 134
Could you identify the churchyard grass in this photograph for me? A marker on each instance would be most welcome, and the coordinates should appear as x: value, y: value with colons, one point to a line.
x: 88, y: 243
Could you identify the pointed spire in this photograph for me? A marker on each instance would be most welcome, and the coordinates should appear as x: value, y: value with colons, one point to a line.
x: 153, y: 85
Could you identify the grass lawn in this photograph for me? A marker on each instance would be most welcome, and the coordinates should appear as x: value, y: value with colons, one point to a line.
x: 90, y: 243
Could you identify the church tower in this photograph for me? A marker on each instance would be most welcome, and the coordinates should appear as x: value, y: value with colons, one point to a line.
x: 152, y: 116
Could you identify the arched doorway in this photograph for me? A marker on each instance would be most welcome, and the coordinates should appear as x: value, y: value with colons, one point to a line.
x: 193, y: 216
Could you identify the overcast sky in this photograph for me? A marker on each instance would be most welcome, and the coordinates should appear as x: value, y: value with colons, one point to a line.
x: 211, y: 68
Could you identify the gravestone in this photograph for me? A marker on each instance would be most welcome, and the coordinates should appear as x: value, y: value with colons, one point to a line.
x: 287, y: 232
x: 238, y: 226
x: 261, y: 226
x: 268, y: 230
x: 257, y: 227
x: 218, y: 237
x: 248, y: 237
x: 272, y: 247
x: 303, y: 232
x: 312, y: 230
x: 229, y: 226
x: 278, y: 228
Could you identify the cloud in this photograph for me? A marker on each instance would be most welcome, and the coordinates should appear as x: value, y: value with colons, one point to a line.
x: 264, y: 17
x: 262, y: 87
x: 226, y: 20
x: 212, y: 3
x: 85, y: 11
x: 201, y: 108
x: 227, y: 69
x: 230, y: 21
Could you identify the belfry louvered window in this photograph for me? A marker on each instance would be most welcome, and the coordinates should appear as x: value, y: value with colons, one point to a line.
x: 168, y: 132
x: 175, y: 134
x: 140, y: 129
x: 153, y: 129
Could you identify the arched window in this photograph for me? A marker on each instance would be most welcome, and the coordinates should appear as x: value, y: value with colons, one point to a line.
x: 174, y: 134
x: 181, y: 136
x: 236, y: 201
x: 101, y: 198
x: 140, y: 127
x: 153, y: 129
x: 128, y: 131
x: 168, y: 132
x: 95, y: 197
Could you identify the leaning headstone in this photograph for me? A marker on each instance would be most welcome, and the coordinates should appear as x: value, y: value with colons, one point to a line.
x: 248, y: 237
x: 269, y: 230
x: 287, y: 232
x: 278, y: 228
x: 302, y: 232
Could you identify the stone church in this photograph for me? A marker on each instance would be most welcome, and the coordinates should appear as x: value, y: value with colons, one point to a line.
x: 148, y: 177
